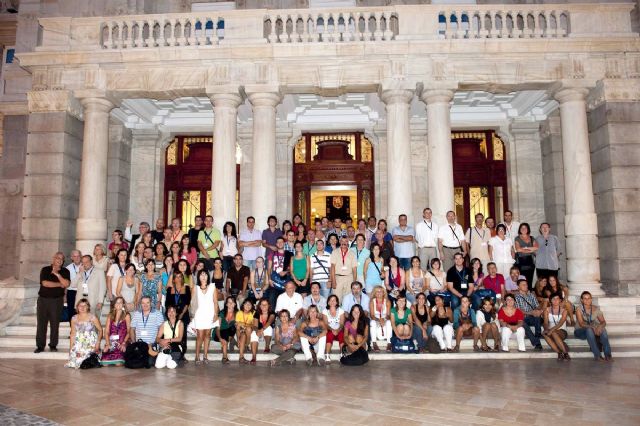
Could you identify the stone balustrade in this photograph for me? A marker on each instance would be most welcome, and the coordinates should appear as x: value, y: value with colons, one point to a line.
x: 344, y: 25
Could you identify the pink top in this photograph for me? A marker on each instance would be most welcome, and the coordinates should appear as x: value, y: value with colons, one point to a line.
x: 191, y: 256
x: 350, y: 329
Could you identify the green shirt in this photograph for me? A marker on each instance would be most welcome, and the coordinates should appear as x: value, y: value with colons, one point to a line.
x: 208, y: 237
x: 309, y: 249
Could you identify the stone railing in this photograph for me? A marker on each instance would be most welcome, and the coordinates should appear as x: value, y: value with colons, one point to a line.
x: 345, y: 25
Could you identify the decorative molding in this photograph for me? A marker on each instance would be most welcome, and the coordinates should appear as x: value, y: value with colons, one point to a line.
x: 54, y: 101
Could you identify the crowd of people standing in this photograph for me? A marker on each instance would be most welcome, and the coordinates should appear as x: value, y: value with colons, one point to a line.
x: 295, y: 288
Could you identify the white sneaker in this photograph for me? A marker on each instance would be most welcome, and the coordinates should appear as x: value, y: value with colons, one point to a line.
x: 327, y: 358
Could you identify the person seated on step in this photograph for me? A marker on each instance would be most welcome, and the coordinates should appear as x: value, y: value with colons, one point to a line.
x: 401, y: 319
x: 263, y: 322
x: 555, y: 326
x: 286, y: 342
x: 488, y: 324
x: 313, y: 337
x: 314, y: 298
x: 555, y: 286
x: 380, y: 324
x: 334, y: 318
x: 527, y: 302
x: 226, y: 329
x: 591, y: 325
x: 441, y: 324
x: 540, y: 291
x: 421, y: 316
x: 356, y: 333
x: 169, y: 339
x: 511, y: 323
x: 244, y: 328
x: 464, y: 324
x: 290, y: 301
x: 86, y: 335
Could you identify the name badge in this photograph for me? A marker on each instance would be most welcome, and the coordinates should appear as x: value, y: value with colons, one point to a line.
x: 85, y: 288
x: 206, y: 245
x: 464, y: 286
x: 484, y: 244
x: 344, y: 268
x: 114, y: 337
x: 144, y: 333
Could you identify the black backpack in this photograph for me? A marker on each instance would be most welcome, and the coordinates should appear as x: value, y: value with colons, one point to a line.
x: 137, y: 355
x: 92, y: 361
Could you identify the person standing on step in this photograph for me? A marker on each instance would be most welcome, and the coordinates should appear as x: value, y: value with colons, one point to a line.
x: 427, y: 238
x: 450, y: 241
x: 343, y: 268
x: 404, y: 237
x: 54, y: 279
x: 72, y: 290
x: 91, y: 284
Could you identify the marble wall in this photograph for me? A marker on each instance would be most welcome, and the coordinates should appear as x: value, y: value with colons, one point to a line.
x: 118, y: 175
x: 615, y: 162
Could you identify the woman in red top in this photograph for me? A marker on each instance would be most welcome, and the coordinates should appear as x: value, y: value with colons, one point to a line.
x: 187, y: 252
x: 395, y: 279
x: 511, y: 320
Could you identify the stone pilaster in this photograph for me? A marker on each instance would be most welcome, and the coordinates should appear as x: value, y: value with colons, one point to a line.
x: 581, y: 227
x: 91, y: 226
x: 263, y: 167
x: 440, y: 156
x: 400, y: 192
x: 118, y: 176
x: 526, y: 193
x: 223, y: 175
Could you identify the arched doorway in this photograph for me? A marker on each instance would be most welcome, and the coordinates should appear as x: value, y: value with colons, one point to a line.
x: 333, y: 176
x: 187, y: 179
x: 479, y: 175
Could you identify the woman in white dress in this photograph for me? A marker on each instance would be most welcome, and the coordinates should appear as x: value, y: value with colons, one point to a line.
x: 205, y: 316
x: 501, y: 251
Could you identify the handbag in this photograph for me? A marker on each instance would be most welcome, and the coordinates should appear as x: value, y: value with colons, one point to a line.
x: 92, y: 361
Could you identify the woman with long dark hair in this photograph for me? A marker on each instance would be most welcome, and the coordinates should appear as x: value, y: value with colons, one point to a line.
x: 356, y: 331
x: 229, y: 245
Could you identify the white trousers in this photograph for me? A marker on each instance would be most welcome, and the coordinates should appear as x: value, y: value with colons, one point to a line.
x: 380, y: 333
x: 318, y: 347
x: 164, y: 360
x: 268, y: 332
x: 507, y: 334
x: 444, y: 336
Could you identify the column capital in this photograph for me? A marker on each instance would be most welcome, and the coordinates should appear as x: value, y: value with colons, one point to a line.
x: 434, y: 96
x: 571, y: 94
x: 97, y: 104
x: 396, y: 96
x: 264, y: 99
x: 230, y: 100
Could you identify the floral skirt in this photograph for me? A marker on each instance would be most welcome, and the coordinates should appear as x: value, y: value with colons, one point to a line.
x: 84, y: 344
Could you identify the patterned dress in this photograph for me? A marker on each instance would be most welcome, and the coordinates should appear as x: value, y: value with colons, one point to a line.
x: 85, y: 341
x: 150, y: 288
x: 117, y: 333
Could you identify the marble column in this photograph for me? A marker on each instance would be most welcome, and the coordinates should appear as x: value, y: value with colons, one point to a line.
x: 399, y: 188
x: 91, y: 225
x: 263, y: 161
x: 440, y: 156
x: 581, y: 227
x: 223, y: 174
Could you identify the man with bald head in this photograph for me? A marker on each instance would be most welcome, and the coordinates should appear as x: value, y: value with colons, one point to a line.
x: 54, y: 279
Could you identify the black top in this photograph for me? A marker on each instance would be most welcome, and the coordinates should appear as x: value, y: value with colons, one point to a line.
x: 180, y: 301
x: 219, y: 282
x: 193, y: 239
x: 422, y: 317
x: 47, y: 275
x: 237, y: 276
x: 441, y: 321
x: 460, y: 279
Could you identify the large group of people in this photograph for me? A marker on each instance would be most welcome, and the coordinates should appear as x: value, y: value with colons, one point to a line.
x: 305, y: 289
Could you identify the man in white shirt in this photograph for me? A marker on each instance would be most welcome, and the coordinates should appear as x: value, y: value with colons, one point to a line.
x: 511, y: 225
x: 450, y: 241
x: 134, y: 239
x: 291, y: 301
x: 427, y: 239
x: 478, y: 238
x: 71, y: 291
x: 251, y: 243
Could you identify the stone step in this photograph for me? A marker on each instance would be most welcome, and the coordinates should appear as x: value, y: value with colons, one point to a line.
x: 465, y: 354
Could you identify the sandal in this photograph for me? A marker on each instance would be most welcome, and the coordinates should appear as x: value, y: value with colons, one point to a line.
x: 388, y: 347
x: 205, y: 360
x: 476, y: 348
x: 496, y: 348
x: 253, y: 361
x: 273, y: 363
x: 243, y: 361
x: 376, y: 348
x: 456, y: 349
x: 267, y: 350
x: 225, y: 360
x: 485, y: 348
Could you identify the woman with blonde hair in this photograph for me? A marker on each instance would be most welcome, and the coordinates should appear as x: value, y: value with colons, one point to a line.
x: 380, y: 324
x: 116, y: 334
x: 100, y: 258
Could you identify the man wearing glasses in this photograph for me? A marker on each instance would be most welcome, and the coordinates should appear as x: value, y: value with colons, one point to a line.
x: 251, y: 243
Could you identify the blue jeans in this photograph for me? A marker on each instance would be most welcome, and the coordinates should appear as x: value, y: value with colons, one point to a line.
x: 405, y: 262
x: 536, y: 323
x: 325, y: 290
x: 251, y: 264
x: 478, y: 295
x: 417, y: 336
x: 590, y: 336
x: 431, y: 298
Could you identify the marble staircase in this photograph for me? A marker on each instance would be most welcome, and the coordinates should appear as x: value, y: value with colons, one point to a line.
x: 18, y: 340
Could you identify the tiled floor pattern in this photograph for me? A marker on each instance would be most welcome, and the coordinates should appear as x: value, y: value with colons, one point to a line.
x: 446, y: 392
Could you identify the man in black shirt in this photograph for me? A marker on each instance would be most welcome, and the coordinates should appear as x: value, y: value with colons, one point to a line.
x: 459, y: 281
x: 194, y: 232
x: 54, y: 280
x: 238, y: 278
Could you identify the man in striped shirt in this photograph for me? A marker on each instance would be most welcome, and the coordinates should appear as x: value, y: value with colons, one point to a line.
x: 321, y: 268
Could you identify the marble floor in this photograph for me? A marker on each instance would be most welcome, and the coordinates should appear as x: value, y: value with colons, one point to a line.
x: 442, y: 392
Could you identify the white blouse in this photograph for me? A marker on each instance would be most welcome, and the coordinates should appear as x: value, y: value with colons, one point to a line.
x: 501, y: 249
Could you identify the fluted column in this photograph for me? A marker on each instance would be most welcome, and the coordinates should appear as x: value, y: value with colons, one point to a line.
x: 91, y: 225
x: 263, y: 162
x: 581, y: 226
x: 399, y: 188
x: 440, y: 156
x: 223, y: 169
